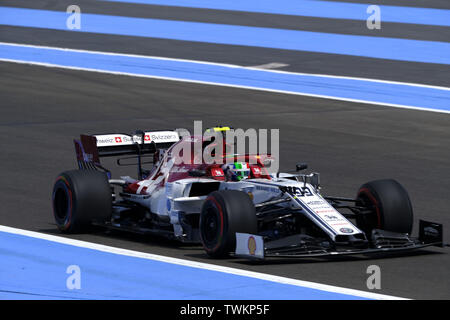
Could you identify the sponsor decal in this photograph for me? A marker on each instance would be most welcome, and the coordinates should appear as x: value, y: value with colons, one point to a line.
x: 105, y: 141
x: 297, y: 191
x: 268, y: 189
x: 346, y: 230
x: 325, y: 210
x: 157, y: 137
x: 166, y: 137
x: 315, y: 203
x: 251, y: 245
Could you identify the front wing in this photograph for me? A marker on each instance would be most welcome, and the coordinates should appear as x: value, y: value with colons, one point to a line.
x: 254, y: 247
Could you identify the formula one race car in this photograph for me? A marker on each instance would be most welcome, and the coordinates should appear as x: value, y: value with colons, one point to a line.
x: 235, y: 207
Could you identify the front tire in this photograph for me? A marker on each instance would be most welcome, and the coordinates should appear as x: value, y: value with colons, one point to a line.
x: 80, y: 197
x: 223, y: 214
x: 390, y: 205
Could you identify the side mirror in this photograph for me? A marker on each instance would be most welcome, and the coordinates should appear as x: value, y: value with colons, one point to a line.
x: 301, y: 166
x: 315, y: 180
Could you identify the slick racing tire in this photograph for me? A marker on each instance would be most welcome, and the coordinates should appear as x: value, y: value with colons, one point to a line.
x: 80, y: 197
x: 389, y: 204
x: 223, y: 214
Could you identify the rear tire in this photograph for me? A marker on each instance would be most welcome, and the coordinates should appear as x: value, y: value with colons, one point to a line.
x: 223, y: 214
x: 391, y: 207
x: 80, y: 197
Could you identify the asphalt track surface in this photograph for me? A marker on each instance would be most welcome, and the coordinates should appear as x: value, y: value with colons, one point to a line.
x: 43, y: 109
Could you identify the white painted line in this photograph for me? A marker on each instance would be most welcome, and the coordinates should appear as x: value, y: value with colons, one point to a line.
x: 227, y: 85
x: 225, y: 65
x: 199, y: 265
x: 272, y: 65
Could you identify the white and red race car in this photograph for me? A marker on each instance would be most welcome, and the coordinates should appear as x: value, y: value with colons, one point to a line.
x: 235, y: 207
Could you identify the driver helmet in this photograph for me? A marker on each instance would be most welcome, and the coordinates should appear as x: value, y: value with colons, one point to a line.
x: 237, y: 171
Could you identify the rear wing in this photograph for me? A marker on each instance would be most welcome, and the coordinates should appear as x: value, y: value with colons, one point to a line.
x: 90, y: 148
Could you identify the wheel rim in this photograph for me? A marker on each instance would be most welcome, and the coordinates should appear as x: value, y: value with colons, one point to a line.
x: 211, y: 225
x: 370, y: 221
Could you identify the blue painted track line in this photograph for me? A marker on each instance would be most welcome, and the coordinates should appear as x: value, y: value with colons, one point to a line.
x: 365, y: 46
x: 311, y: 8
x: 33, y: 268
x: 360, y: 90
